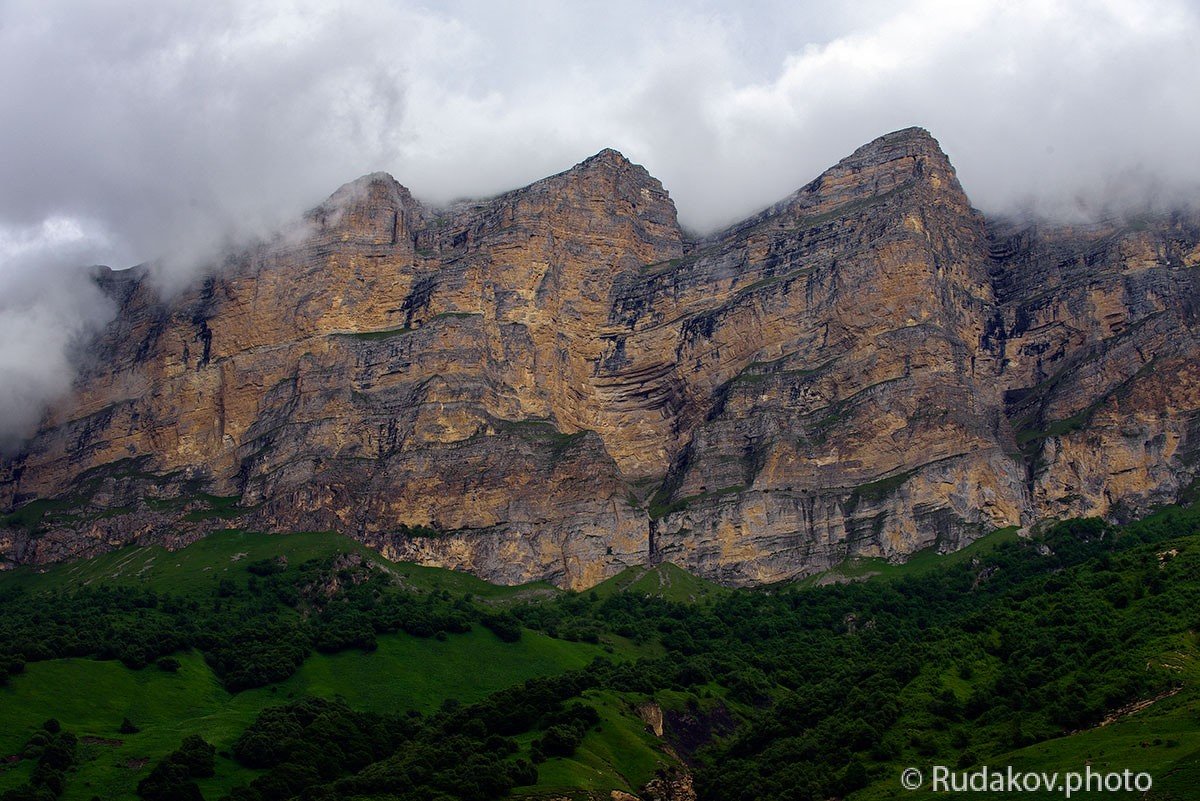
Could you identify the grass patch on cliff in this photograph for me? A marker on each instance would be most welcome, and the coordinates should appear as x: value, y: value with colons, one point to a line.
x: 1029, y: 435
x: 69, y: 510
x: 220, y: 507
x: 874, y: 491
x: 673, y: 264
x: 771, y: 280
x: 1029, y: 438
x: 926, y: 560
x: 80, y: 505
x: 198, y: 567
x: 757, y: 372
x: 660, y: 505
x: 543, y: 432
x: 665, y: 580
x: 31, y: 515
x: 375, y: 336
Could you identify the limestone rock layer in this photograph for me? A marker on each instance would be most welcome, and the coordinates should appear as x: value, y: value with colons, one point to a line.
x: 557, y: 383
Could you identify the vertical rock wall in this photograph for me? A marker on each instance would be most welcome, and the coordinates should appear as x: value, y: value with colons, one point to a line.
x: 557, y: 383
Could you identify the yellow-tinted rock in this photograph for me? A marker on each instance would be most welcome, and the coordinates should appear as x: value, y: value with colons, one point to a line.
x: 557, y: 383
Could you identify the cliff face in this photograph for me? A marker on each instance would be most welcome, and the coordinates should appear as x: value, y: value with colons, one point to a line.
x: 849, y: 408
x: 1095, y: 340
x: 557, y: 383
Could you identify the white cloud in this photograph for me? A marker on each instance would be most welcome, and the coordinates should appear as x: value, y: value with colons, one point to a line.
x: 168, y: 130
x: 45, y: 311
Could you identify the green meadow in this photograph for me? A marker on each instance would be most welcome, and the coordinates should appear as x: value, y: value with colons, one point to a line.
x: 1071, y: 648
x: 92, y: 697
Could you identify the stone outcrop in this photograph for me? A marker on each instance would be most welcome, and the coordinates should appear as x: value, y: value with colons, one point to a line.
x: 557, y: 382
x: 670, y: 785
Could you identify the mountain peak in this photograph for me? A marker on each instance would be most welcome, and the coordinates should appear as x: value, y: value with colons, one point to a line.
x: 608, y: 172
x: 906, y: 141
x: 913, y: 133
x: 375, y: 187
x: 901, y: 160
x: 374, y: 208
x: 607, y: 156
x: 909, y: 157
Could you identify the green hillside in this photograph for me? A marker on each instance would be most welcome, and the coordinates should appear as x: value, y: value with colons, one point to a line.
x: 91, y: 698
x: 1074, y: 648
x: 224, y: 554
x: 660, y: 581
x: 860, y: 568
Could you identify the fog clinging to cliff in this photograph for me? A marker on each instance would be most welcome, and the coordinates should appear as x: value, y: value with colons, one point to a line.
x: 140, y: 131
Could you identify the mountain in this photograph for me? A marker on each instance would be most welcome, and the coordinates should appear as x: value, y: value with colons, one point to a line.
x: 558, y: 382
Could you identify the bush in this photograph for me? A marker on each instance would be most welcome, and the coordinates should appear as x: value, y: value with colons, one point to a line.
x: 197, y: 755
x: 504, y: 626
x: 561, y: 740
x: 54, y: 750
x: 172, y: 778
x: 267, y: 567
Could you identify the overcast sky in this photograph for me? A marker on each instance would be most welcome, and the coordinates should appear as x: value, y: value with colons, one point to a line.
x: 132, y: 131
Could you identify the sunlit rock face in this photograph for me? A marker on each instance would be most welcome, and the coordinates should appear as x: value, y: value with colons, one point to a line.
x: 557, y: 382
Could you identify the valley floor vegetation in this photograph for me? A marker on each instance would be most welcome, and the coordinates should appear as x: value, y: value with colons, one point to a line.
x: 253, y: 667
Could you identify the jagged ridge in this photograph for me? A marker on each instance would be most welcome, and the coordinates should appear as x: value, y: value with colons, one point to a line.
x: 559, y: 383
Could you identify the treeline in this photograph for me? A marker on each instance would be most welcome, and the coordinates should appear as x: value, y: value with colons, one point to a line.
x: 252, y: 635
x: 324, y: 750
x: 836, y: 685
x: 825, y: 689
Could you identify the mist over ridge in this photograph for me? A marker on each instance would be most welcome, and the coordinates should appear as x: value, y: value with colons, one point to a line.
x: 144, y: 132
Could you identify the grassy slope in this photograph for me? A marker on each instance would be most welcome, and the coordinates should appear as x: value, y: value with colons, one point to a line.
x: 923, y: 561
x: 91, y: 697
x: 1162, y: 740
x: 621, y: 754
x: 223, y: 554
x: 661, y: 581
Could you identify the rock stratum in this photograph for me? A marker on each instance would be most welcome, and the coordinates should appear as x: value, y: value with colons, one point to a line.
x: 558, y: 382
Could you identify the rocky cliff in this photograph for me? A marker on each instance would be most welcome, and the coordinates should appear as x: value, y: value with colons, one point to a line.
x: 557, y: 382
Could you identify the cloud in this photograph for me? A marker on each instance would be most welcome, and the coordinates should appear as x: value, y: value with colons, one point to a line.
x: 45, y: 312
x: 169, y: 131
